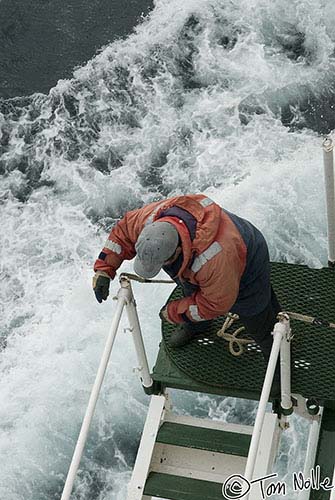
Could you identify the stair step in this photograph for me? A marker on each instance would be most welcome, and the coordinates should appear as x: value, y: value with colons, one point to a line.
x: 181, y: 488
x: 201, y: 438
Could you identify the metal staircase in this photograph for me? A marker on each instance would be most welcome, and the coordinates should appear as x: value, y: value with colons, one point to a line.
x: 184, y: 458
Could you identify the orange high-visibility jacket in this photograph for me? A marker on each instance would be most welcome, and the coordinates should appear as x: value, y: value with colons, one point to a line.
x: 214, y: 261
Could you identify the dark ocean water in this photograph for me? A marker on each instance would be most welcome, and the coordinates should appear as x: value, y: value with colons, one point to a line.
x: 41, y: 41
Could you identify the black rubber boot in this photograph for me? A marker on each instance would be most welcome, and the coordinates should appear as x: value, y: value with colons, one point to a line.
x: 184, y: 333
x: 180, y: 337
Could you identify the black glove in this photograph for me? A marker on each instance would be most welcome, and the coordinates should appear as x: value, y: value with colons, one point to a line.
x: 101, y: 286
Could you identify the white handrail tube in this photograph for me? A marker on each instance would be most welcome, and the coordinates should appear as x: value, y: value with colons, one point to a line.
x: 135, y: 329
x: 122, y: 299
x: 285, y: 370
x: 278, y: 334
x: 328, y: 161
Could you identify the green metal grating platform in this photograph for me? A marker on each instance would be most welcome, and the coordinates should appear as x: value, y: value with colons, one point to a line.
x: 205, y: 365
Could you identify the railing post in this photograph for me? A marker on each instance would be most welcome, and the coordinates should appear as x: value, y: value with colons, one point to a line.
x: 328, y: 161
x: 279, y: 333
x: 285, y: 370
x: 135, y: 328
x: 122, y: 299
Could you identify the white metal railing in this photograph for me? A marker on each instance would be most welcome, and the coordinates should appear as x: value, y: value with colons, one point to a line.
x: 281, y: 344
x: 124, y: 299
x: 285, y: 363
x: 328, y: 161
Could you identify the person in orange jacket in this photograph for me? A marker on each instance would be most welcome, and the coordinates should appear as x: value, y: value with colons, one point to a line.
x: 220, y: 260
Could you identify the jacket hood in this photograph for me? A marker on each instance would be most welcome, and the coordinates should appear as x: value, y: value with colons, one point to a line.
x: 208, y: 221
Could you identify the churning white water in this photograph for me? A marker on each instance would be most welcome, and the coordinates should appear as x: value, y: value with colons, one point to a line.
x: 224, y: 97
